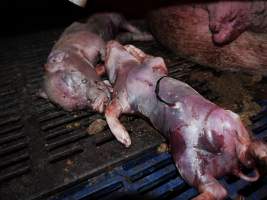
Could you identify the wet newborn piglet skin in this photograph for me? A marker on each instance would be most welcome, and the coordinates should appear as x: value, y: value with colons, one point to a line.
x: 70, y: 77
x: 206, y: 141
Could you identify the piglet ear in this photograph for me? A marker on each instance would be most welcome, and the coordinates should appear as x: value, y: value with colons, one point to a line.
x: 113, y: 49
x: 157, y: 64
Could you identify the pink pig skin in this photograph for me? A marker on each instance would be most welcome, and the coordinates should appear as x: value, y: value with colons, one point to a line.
x: 206, y: 141
x: 185, y: 29
x: 70, y: 77
x: 229, y: 19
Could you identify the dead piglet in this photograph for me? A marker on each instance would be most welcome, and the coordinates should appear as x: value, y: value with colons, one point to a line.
x: 76, y: 86
x: 122, y: 66
x: 207, y: 142
x: 70, y: 77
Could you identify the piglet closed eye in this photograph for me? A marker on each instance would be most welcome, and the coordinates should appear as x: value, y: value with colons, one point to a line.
x: 207, y: 142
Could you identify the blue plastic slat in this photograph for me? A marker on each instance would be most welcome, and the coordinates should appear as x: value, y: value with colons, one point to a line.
x: 145, y: 157
x: 234, y: 187
x: 147, y: 166
x: 154, y: 178
x: 262, y: 135
x: 260, y: 125
x: 92, y: 189
x: 166, y: 187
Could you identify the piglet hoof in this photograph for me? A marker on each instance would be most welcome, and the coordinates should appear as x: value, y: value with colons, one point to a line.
x: 258, y: 150
x: 204, y: 196
x: 125, y: 139
x: 41, y: 93
x: 127, y: 143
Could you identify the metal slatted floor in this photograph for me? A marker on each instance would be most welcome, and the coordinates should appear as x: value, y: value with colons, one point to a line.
x: 45, y: 150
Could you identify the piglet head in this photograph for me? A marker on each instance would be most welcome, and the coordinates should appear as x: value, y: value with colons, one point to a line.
x: 72, y: 91
x: 228, y: 20
x: 61, y: 88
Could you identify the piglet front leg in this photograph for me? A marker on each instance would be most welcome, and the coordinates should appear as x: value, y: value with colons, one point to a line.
x: 117, y: 59
x: 112, y: 114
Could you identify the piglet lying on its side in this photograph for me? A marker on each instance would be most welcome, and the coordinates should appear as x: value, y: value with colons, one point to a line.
x: 70, y: 77
x: 206, y: 141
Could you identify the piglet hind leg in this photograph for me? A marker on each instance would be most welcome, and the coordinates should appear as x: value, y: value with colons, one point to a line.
x: 191, y: 169
x: 210, y: 189
x: 258, y: 151
x: 112, y: 114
